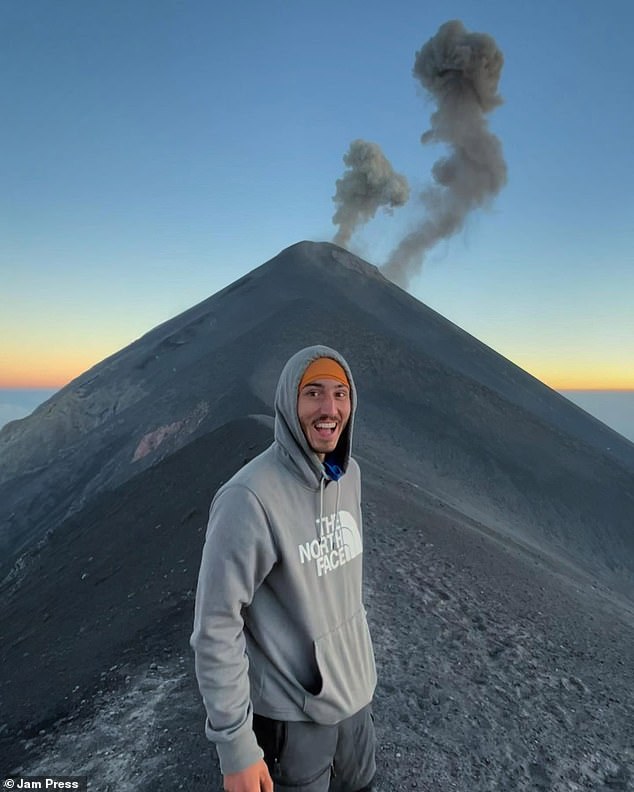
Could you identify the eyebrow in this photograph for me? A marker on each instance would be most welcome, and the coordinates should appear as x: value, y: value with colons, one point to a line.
x: 319, y: 385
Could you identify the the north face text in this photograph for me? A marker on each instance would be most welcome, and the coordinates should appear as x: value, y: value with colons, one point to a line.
x: 339, y: 542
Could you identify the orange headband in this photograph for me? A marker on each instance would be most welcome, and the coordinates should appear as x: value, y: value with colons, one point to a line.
x: 324, y: 367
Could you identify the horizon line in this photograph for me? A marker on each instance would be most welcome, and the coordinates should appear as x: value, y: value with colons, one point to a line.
x: 583, y: 388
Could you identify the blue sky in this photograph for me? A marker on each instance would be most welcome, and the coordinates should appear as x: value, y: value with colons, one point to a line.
x: 153, y: 152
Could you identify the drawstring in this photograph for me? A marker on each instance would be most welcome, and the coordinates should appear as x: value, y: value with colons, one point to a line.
x: 321, y: 506
x: 322, y: 484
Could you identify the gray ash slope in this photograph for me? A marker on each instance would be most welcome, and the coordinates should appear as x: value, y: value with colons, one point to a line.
x: 454, y: 416
x: 500, y: 547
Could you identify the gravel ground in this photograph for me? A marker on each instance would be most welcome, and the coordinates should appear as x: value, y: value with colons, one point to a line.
x: 497, y: 669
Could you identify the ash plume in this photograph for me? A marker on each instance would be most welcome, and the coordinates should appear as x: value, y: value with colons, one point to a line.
x: 369, y: 183
x: 460, y: 71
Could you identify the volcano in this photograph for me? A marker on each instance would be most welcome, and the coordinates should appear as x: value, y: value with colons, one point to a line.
x: 499, y: 530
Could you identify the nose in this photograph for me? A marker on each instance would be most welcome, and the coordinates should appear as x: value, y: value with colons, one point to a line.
x: 329, y: 404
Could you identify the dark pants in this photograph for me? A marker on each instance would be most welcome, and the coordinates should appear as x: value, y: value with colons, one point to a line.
x: 306, y: 756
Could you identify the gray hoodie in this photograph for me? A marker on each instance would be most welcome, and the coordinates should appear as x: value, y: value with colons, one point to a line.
x: 279, y: 625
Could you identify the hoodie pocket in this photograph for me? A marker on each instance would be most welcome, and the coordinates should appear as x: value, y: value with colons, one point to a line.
x: 345, y: 660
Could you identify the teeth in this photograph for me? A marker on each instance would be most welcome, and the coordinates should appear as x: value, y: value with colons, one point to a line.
x: 326, y: 425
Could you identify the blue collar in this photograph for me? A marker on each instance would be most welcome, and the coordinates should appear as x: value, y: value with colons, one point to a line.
x: 333, y: 471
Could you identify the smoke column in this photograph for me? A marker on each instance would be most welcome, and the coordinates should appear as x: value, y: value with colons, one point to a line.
x: 460, y: 70
x: 368, y: 183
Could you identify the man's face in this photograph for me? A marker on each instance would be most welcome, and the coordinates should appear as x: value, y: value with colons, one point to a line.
x: 323, y: 409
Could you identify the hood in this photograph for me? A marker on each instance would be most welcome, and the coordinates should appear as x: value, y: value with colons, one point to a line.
x: 289, y: 436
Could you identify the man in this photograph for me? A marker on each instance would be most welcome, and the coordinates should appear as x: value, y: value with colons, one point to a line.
x: 283, y: 653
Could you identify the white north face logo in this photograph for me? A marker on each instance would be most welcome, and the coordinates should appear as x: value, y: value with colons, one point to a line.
x: 339, y: 542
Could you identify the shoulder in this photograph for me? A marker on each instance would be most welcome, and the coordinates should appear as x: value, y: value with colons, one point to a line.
x: 353, y: 473
x: 253, y: 468
x: 253, y: 478
x: 353, y: 465
x: 237, y: 512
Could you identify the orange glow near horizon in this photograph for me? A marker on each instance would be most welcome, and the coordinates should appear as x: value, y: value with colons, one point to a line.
x: 53, y: 372
x: 592, y: 388
x: 583, y: 380
x: 53, y: 357
x: 53, y: 360
x: 588, y: 380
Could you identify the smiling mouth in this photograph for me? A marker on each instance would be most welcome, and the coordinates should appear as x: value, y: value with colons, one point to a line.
x: 325, y: 428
